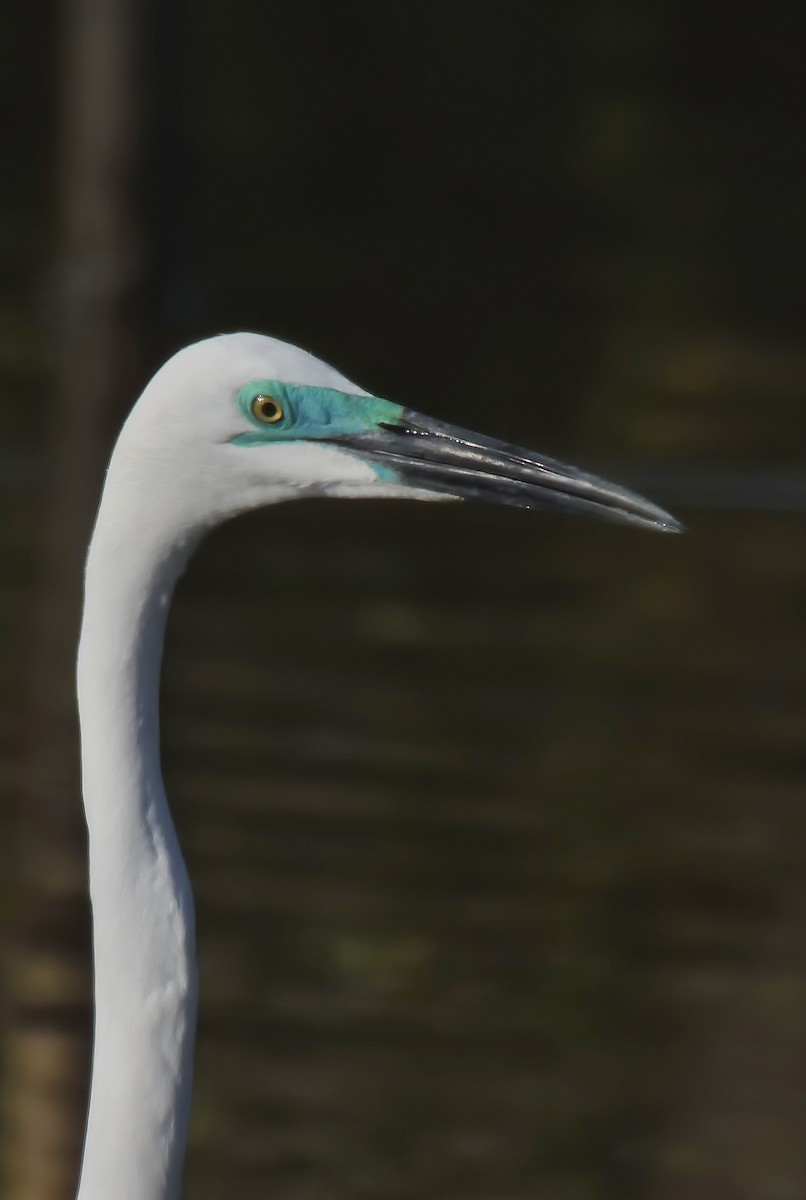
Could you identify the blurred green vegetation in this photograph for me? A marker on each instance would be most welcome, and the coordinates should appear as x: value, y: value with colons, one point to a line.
x: 592, y: 222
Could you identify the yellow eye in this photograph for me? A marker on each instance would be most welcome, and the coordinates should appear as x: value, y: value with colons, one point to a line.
x: 267, y: 409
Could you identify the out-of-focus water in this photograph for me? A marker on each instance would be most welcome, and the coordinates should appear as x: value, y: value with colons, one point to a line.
x: 497, y: 830
x: 496, y: 826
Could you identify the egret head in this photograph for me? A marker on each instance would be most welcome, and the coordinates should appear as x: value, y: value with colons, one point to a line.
x: 239, y: 421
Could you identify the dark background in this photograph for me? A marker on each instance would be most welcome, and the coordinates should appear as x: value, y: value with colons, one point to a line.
x: 496, y: 822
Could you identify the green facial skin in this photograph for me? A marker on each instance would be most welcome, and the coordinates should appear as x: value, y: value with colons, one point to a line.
x: 312, y: 413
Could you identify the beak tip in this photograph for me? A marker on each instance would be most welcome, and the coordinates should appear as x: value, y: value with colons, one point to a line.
x: 669, y: 524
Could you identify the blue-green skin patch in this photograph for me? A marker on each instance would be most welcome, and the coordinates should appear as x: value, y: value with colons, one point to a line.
x: 315, y: 413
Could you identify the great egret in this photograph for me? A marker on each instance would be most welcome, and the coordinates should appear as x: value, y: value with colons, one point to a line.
x: 226, y: 425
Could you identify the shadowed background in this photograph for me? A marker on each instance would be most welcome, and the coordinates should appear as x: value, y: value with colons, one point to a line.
x: 496, y: 822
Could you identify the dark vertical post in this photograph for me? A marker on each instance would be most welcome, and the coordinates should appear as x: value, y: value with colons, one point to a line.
x: 96, y: 351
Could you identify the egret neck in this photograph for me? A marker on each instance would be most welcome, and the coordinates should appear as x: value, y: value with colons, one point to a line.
x: 143, y: 918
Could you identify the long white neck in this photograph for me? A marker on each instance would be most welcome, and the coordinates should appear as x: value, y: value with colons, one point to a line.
x: 143, y: 919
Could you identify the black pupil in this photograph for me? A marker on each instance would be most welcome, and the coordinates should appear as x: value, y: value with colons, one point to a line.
x: 269, y: 408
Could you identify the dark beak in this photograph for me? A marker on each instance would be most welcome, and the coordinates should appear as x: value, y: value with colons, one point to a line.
x: 437, y: 457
